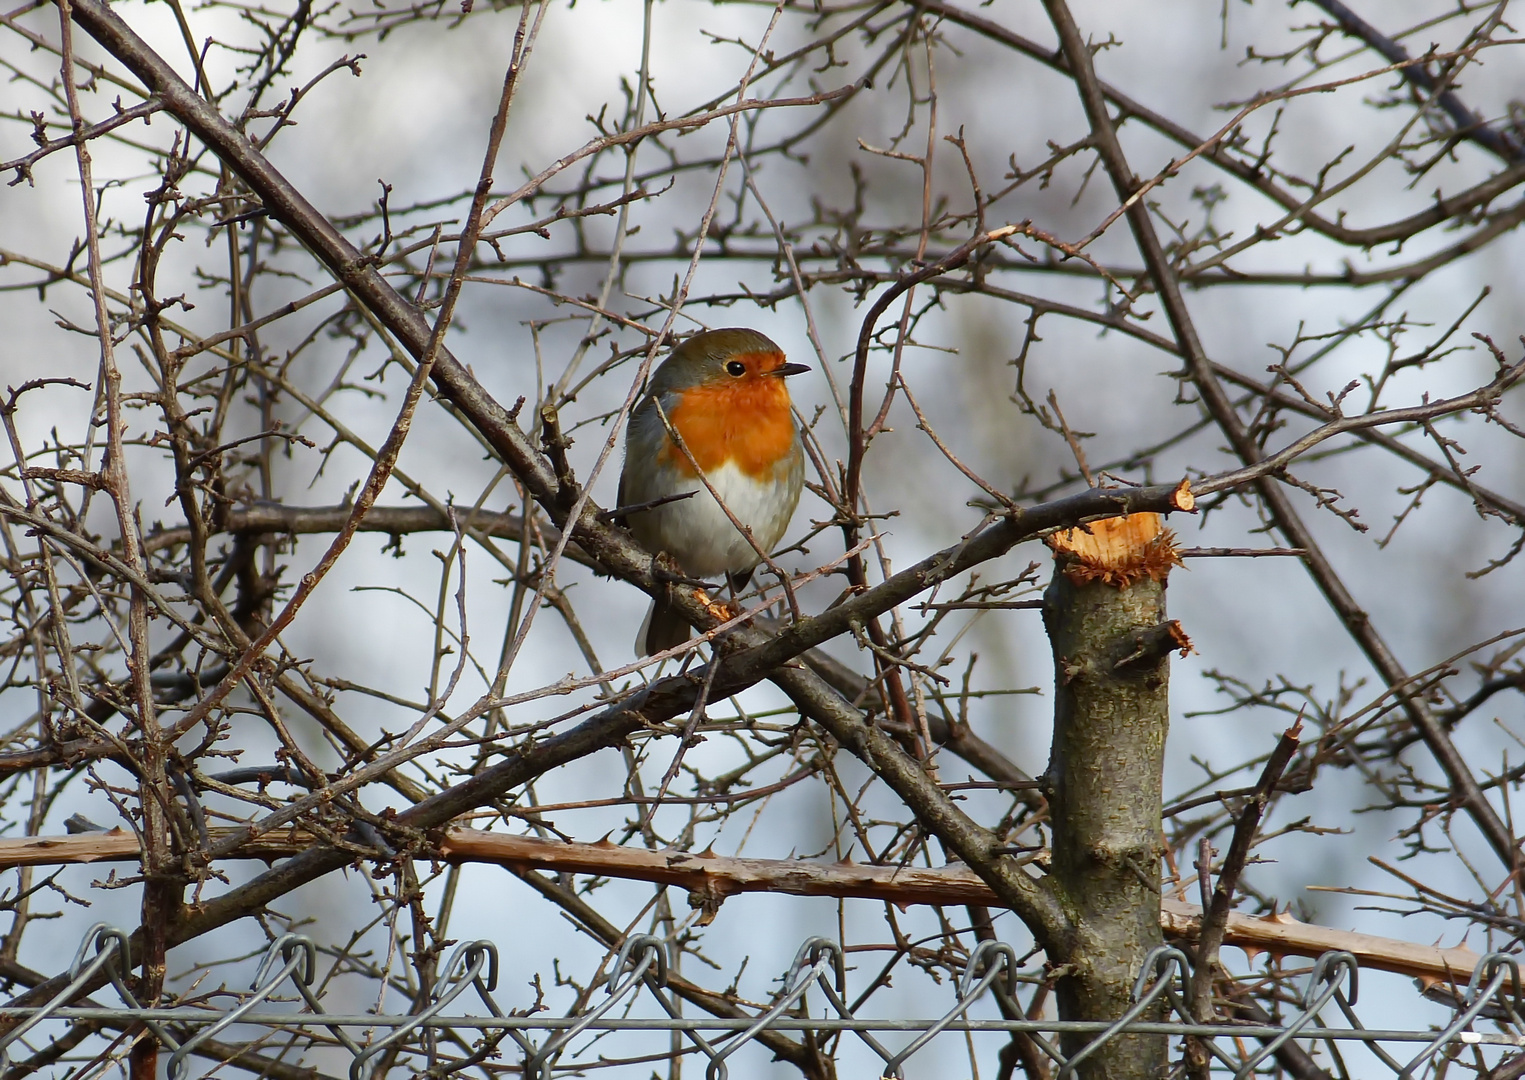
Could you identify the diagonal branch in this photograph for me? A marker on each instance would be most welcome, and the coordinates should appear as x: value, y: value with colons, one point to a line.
x: 1277, y: 500
x: 1214, y: 924
x: 1223, y: 156
x: 1469, y: 125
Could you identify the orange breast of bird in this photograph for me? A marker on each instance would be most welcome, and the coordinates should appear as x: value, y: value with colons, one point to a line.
x: 743, y: 421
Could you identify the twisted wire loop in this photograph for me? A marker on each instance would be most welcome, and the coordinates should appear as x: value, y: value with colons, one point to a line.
x: 1327, y: 970
x: 113, y: 952
x: 1156, y: 977
x: 303, y: 978
x: 625, y: 977
x: 1494, y: 967
x: 463, y: 969
x: 109, y: 944
x: 817, y: 973
x: 282, y: 960
x: 817, y: 957
x: 998, y: 959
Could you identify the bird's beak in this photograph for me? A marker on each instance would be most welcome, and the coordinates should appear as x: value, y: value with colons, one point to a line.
x: 785, y: 370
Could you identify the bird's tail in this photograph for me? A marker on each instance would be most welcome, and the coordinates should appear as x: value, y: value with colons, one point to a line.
x: 663, y: 629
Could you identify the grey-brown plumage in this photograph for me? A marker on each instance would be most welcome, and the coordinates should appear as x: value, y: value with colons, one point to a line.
x: 723, y: 392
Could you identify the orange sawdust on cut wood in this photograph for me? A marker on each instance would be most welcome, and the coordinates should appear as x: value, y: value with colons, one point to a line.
x: 1118, y: 551
x: 1178, y: 635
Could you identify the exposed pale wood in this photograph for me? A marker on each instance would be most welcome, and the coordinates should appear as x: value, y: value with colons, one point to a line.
x: 1284, y: 935
x: 1110, y: 542
x: 1119, y: 551
x: 119, y: 845
x: 713, y: 877
x: 718, y: 876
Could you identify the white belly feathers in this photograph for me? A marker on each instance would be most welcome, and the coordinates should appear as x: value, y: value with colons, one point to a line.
x: 697, y: 533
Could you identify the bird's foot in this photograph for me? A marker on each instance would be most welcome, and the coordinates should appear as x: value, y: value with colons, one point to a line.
x: 666, y: 571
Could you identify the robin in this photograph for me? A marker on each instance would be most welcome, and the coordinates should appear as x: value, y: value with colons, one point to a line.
x: 723, y: 392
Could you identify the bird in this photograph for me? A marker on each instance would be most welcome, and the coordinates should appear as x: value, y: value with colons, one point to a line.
x: 723, y: 392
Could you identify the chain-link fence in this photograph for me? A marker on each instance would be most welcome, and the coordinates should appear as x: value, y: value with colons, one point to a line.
x: 634, y: 1022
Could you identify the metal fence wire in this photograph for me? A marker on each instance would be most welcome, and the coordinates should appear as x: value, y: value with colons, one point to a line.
x: 439, y: 1040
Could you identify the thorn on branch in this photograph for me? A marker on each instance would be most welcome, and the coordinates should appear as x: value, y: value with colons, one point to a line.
x: 1144, y: 648
x: 556, y: 445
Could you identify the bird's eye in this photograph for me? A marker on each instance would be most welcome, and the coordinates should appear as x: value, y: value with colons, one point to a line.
x: 736, y: 367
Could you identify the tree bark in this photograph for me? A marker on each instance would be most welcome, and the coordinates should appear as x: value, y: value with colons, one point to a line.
x: 1105, y: 616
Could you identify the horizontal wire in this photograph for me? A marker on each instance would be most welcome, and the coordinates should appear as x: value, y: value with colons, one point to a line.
x: 794, y: 1023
